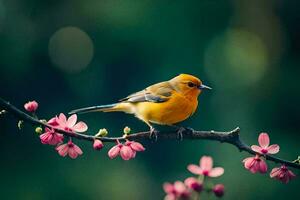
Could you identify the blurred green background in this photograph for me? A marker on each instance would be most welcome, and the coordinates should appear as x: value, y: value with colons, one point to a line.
x: 72, y: 53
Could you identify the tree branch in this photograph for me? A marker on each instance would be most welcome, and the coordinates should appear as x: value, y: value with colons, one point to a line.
x: 230, y: 137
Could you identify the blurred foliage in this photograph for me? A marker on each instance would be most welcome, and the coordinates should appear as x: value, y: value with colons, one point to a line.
x: 68, y: 54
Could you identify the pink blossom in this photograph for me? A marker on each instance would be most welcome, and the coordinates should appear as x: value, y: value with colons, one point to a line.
x: 51, y: 137
x: 70, y: 149
x: 70, y: 123
x: 219, y: 190
x: 135, y: 146
x: 193, y: 184
x: 282, y: 174
x: 124, y: 151
x: 97, y: 145
x: 176, y: 191
x: 264, y: 145
x: 255, y: 164
x: 206, y: 168
x: 31, y: 106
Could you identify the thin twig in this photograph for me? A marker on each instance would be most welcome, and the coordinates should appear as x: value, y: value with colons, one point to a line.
x: 230, y: 137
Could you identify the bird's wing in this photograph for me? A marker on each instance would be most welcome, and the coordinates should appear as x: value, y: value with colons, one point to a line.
x: 157, y: 93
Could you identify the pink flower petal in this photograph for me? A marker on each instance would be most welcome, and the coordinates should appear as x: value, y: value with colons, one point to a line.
x: 77, y: 149
x: 114, y: 152
x: 215, y: 172
x: 291, y: 174
x: 275, y: 172
x: 136, y: 146
x: 194, y: 169
x: 206, y: 163
x: 57, y: 138
x: 52, y: 140
x: 273, y: 149
x: 264, y: 140
x: 126, y: 153
x: 72, y: 153
x: 256, y: 148
x: 53, y: 121
x: 133, y: 154
x: 60, y: 147
x: 47, y: 129
x: 62, y: 150
x: 170, y: 197
x: 179, y: 187
x: 62, y: 119
x: 80, y: 127
x: 71, y: 121
x: 193, y: 184
x: 248, y: 162
x: 263, y: 168
x: 44, y: 138
x: 168, y: 187
x: 255, y: 167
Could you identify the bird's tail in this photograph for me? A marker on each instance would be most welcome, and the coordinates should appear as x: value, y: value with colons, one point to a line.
x: 103, y: 108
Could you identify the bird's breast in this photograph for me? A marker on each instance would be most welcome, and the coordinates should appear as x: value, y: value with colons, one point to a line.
x: 176, y: 109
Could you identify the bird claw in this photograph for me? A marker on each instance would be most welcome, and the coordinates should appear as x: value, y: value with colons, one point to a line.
x: 153, y: 134
x: 182, y: 130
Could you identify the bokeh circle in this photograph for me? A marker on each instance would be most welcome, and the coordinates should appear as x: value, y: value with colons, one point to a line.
x: 71, y: 49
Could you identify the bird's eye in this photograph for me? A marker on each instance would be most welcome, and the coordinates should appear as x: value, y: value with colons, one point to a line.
x: 190, y: 84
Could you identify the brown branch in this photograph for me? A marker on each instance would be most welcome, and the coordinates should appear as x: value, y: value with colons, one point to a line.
x: 231, y: 137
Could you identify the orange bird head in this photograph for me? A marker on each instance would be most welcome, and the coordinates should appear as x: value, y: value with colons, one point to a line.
x: 188, y: 85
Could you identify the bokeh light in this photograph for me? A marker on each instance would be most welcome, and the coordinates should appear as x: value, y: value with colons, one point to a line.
x: 236, y: 55
x: 71, y: 49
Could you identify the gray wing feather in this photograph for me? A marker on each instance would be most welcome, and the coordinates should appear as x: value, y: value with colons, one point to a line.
x: 147, y: 97
x: 160, y: 95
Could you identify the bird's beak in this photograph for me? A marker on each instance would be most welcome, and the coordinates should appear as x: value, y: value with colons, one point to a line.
x: 202, y: 86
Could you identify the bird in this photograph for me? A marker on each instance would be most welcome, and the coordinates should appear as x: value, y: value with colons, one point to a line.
x: 165, y: 103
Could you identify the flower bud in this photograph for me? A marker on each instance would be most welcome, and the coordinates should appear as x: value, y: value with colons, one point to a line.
x: 102, y: 132
x: 126, y: 130
x: 20, y: 124
x: 38, y: 130
x: 43, y: 121
x: 98, y: 144
x: 31, y: 106
x: 219, y: 190
x: 297, y: 160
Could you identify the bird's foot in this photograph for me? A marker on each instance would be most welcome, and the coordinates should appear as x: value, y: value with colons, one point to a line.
x: 183, y: 130
x: 153, y: 134
x: 180, y: 132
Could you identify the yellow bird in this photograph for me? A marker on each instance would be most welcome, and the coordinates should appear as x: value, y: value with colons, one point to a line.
x: 164, y: 103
